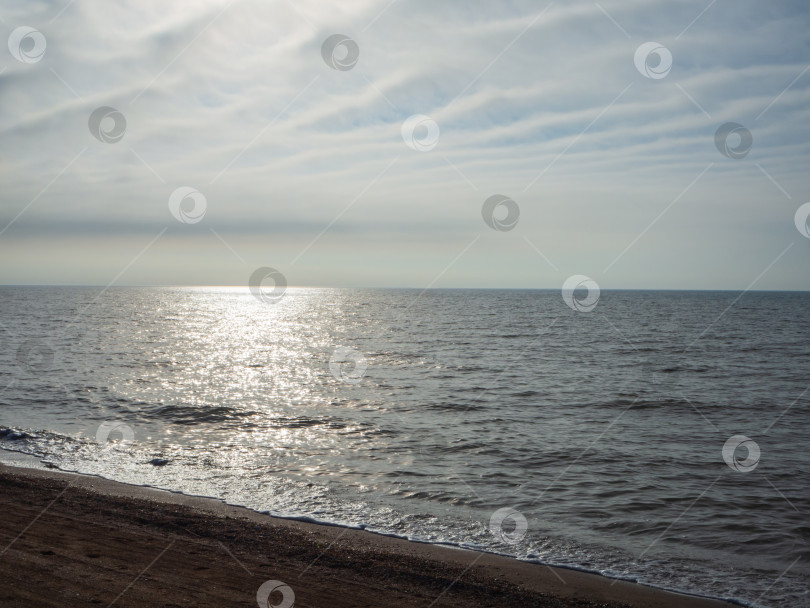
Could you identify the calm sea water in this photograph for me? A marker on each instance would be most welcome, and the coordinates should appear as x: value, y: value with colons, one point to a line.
x: 603, y: 429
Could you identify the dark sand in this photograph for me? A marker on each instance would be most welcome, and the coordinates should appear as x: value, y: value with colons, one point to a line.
x: 69, y: 540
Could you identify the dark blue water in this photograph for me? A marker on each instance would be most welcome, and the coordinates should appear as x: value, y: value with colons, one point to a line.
x: 448, y: 416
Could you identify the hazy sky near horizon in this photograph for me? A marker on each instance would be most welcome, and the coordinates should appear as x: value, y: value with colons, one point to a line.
x: 305, y: 168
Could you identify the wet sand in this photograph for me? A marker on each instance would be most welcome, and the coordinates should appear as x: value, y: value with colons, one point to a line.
x: 69, y: 540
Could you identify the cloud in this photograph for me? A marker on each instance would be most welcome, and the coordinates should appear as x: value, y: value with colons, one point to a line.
x: 542, y: 103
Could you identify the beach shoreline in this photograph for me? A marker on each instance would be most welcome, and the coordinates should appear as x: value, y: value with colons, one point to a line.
x: 78, y: 540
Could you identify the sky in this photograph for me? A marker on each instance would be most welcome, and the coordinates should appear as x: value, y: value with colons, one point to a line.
x: 461, y: 143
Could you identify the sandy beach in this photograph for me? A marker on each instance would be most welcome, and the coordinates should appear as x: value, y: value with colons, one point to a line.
x: 70, y: 540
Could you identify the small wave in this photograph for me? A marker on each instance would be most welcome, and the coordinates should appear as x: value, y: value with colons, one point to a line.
x: 302, y: 422
x: 12, y: 435
x: 454, y: 407
x: 184, y: 414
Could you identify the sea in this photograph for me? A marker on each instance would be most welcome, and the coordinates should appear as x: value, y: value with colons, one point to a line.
x: 651, y: 436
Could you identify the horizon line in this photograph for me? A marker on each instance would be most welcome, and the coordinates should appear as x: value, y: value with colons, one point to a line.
x: 403, y: 287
